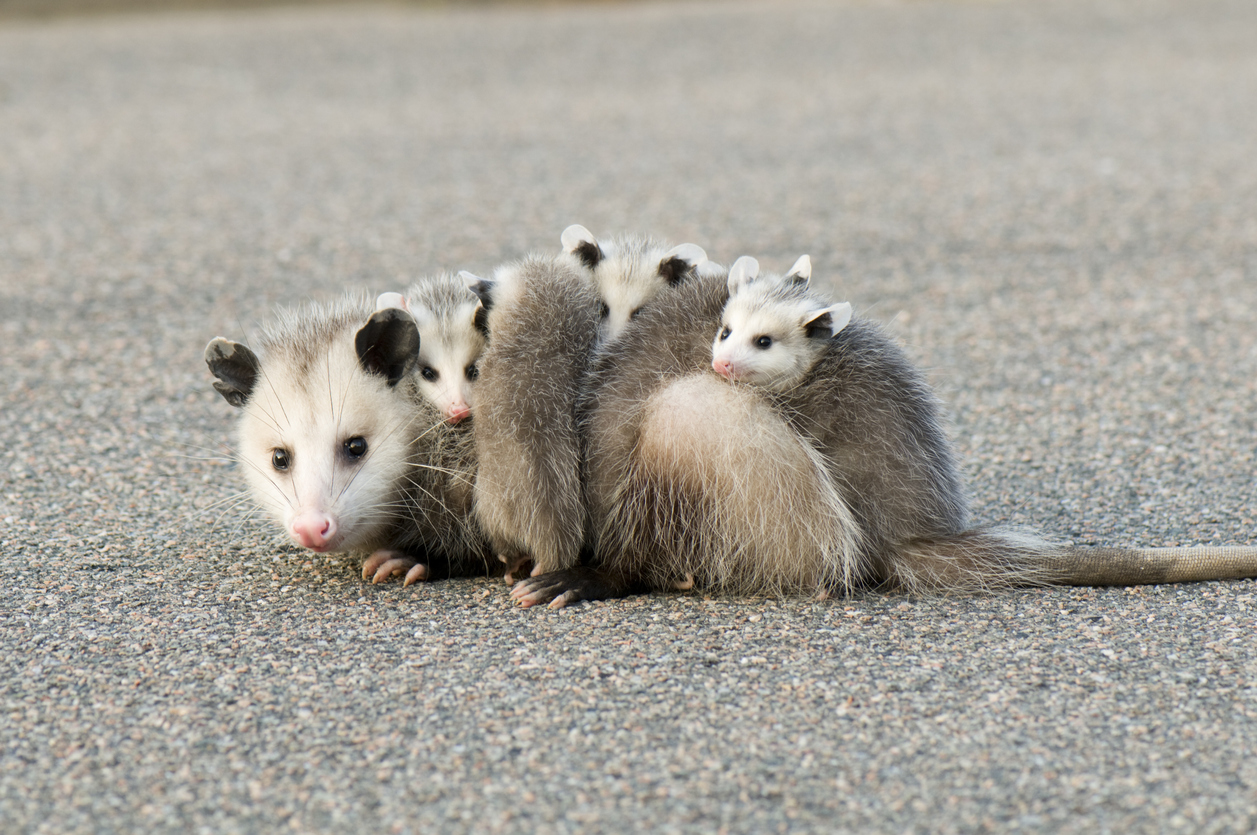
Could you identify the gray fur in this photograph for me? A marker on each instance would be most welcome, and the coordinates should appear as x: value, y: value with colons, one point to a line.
x: 542, y: 322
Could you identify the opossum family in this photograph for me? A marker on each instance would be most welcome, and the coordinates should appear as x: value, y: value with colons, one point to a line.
x: 640, y: 419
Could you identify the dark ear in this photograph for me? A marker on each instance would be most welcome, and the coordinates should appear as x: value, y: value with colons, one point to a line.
x: 388, y: 344
x: 481, y: 287
x: 480, y: 319
x: 679, y: 262
x: 578, y: 241
x: 236, y: 368
x: 826, y: 322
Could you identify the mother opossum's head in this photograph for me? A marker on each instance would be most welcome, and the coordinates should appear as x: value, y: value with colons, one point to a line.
x: 326, y: 426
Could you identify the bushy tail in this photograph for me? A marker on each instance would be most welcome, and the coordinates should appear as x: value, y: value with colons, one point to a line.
x: 991, y: 559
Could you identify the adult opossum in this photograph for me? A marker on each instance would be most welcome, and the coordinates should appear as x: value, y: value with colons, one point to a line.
x: 844, y: 481
x: 337, y: 443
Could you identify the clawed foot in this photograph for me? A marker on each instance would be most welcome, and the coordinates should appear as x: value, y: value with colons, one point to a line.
x: 684, y: 585
x: 383, y: 565
x: 560, y: 588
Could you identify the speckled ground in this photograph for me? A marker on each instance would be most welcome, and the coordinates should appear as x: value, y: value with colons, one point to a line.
x: 1052, y: 205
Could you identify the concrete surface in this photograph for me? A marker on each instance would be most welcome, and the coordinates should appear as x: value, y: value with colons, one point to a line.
x: 1053, y: 205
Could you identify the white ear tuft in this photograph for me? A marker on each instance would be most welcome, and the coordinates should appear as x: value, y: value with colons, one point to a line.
x: 744, y: 270
x: 575, y: 235
x: 387, y: 300
x: 802, y: 269
x: 691, y: 254
x: 831, y: 319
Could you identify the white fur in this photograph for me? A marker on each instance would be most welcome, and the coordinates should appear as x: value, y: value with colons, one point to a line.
x: 627, y: 276
x: 776, y: 308
x: 311, y: 414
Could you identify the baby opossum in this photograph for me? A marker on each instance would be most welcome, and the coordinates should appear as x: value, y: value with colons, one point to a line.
x: 845, y: 483
x: 450, y: 342
x: 340, y: 448
x: 773, y: 330
x: 629, y: 271
x: 542, y: 322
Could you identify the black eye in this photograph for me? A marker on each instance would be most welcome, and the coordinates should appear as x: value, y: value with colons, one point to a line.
x: 604, y: 311
x: 635, y: 313
x: 356, y: 447
x: 429, y: 373
x: 764, y: 343
x: 724, y: 334
x: 471, y: 371
x: 280, y: 459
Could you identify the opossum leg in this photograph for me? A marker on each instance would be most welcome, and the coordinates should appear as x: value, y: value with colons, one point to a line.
x: 518, y: 563
x: 559, y: 588
x: 384, y: 564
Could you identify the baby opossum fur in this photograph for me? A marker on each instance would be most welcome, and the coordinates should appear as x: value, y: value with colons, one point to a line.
x: 339, y: 446
x: 451, y: 340
x: 628, y: 271
x: 542, y: 320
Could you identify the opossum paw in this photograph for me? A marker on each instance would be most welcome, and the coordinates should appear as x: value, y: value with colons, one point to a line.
x: 382, y: 565
x: 560, y: 588
x: 417, y: 574
x: 684, y: 585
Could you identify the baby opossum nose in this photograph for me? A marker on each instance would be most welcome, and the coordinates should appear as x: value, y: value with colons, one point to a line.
x: 313, y: 529
x: 722, y: 367
x: 457, y: 412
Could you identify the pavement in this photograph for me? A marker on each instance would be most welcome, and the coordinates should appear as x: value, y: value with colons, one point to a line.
x: 1050, y: 205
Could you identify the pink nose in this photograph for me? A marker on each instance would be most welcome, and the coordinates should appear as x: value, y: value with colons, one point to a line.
x: 457, y: 412
x: 723, y: 367
x: 313, y: 529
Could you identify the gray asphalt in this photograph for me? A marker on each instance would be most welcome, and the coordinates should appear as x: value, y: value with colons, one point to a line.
x: 1054, y: 206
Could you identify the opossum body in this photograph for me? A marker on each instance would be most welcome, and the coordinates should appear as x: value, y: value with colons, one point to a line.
x: 846, y: 482
x: 542, y: 322
x: 629, y: 271
x: 450, y: 342
x: 773, y: 328
x: 339, y: 447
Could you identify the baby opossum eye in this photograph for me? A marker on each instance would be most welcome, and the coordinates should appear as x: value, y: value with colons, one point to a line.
x: 429, y: 373
x: 604, y: 311
x: 636, y: 312
x: 764, y: 343
x: 280, y: 459
x: 471, y: 371
x: 356, y: 447
x: 724, y: 334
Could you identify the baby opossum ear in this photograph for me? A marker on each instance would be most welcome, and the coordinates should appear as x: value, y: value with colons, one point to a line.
x: 743, y: 271
x: 236, y: 368
x: 388, y: 344
x: 578, y: 241
x: 801, y: 273
x: 387, y: 300
x: 823, y: 324
x: 482, y: 287
x: 678, y: 262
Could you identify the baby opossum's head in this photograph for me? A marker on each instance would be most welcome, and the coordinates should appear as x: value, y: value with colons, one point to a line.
x: 773, y: 330
x: 327, y: 415
x: 630, y: 271
x: 451, y: 339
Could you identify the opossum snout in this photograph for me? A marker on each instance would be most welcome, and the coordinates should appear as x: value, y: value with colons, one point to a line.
x: 314, y: 529
x: 723, y: 367
x: 457, y: 412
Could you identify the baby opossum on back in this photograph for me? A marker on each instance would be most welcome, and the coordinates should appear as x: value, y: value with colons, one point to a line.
x: 451, y: 339
x: 628, y: 271
x: 340, y: 448
x: 773, y: 330
x: 542, y: 320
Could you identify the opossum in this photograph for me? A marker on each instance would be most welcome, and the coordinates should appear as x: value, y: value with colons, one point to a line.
x: 542, y: 323
x: 846, y: 483
x: 339, y: 446
x: 629, y: 271
x: 450, y: 340
x: 773, y: 330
